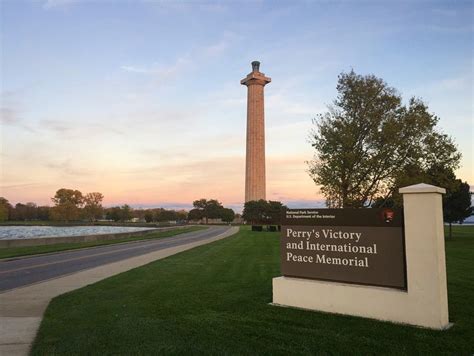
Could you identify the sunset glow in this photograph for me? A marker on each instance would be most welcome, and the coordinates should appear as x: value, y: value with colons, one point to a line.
x: 142, y: 101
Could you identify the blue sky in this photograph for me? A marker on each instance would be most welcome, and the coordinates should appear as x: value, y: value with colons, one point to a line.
x: 141, y: 99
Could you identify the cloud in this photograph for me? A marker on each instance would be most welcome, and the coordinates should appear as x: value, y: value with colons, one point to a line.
x: 50, y: 4
x: 188, y: 180
x: 458, y: 86
x: 10, y: 186
x: 69, y: 130
x: 216, y: 49
x: 444, y: 12
x: 11, y: 112
x: 187, y: 6
x: 157, y: 69
x: 287, y: 106
x: 448, y: 29
x: 459, y: 83
x: 67, y: 167
x: 11, y: 117
x: 160, y: 72
x: 57, y: 126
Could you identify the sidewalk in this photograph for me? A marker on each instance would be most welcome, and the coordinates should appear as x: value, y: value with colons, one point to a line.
x: 21, y: 310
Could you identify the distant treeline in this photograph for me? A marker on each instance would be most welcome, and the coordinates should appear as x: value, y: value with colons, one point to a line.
x: 72, y: 205
x: 22, y: 212
x: 126, y: 213
x: 31, y: 211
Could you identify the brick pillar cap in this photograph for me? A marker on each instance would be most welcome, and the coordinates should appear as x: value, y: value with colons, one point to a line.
x: 422, y: 188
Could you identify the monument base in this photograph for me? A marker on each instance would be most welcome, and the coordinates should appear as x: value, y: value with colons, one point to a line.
x: 365, y: 301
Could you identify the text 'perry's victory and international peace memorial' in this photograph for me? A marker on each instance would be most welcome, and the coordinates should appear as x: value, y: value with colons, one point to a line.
x: 363, y: 246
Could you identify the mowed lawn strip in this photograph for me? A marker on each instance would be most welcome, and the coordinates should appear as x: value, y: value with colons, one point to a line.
x: 34, y: 250
x: 214, y: 299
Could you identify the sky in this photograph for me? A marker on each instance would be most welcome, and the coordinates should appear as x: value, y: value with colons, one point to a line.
x: 141, y: 100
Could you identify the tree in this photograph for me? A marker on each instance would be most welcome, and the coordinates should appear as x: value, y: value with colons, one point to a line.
x: 274, y: 211
x: 113, y: 213
x: 20, y: 211
x: 30, y: 211
x: 200, y: 204
x: 211, y: 209
x: 435, y: 175
x: 5, y: 208
x: 148, y: 216
x: 181, y: 215
x: 93, y: 209
x: 456, y: 201
x: 457, y: 204
x: 167, y: 215
x: 67, y: 204
x: 195, y: 214
x: 263, y: 212
x: 227, y: 215
x: 157, y: 214
x: 368, y: 138
x: 43, y: 212
x: 125, y: 213
x: 255, y: 211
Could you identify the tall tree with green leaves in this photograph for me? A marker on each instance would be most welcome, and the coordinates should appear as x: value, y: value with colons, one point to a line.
x: 211, y: 209
x: 456, y: 201
x: 457, y: 204
x: 227, y: 215
x: 435, y: 175
x: 274, y: 211
x: 263, y: 212
x: 367, y: 139
x: 195, y: 214
x: 255, y: 212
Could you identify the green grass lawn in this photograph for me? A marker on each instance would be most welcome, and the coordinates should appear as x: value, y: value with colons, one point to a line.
x: 214, y: 300
x: 34, y: 250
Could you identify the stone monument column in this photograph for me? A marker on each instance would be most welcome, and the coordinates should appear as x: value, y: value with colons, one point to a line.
x: 255, y: 153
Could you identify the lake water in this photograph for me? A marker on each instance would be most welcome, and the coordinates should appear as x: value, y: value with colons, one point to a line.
x: 28, y: 232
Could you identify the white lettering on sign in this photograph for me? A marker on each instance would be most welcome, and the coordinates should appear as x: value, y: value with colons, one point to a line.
x: 299, y: 258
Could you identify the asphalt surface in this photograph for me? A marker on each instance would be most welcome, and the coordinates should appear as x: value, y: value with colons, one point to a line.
x: 28, y: 270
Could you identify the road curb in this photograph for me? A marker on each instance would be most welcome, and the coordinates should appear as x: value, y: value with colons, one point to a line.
x: 21, y: 309
x: 140, y: 238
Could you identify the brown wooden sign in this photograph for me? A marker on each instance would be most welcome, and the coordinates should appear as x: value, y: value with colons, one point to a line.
x: 362, y: 246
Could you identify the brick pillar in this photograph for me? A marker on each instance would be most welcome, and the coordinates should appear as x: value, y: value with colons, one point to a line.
x: 255, y: 153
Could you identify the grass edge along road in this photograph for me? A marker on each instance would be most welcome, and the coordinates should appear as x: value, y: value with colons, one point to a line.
x: 11, y: 252
x: 213, y: 299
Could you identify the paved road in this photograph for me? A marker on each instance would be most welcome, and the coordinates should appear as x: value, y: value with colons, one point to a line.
x: 28, y: 270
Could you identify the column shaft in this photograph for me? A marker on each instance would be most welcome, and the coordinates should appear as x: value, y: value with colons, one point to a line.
x: 255, y: 155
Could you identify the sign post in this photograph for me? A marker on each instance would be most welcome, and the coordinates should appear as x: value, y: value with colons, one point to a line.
x: 377, y: 263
